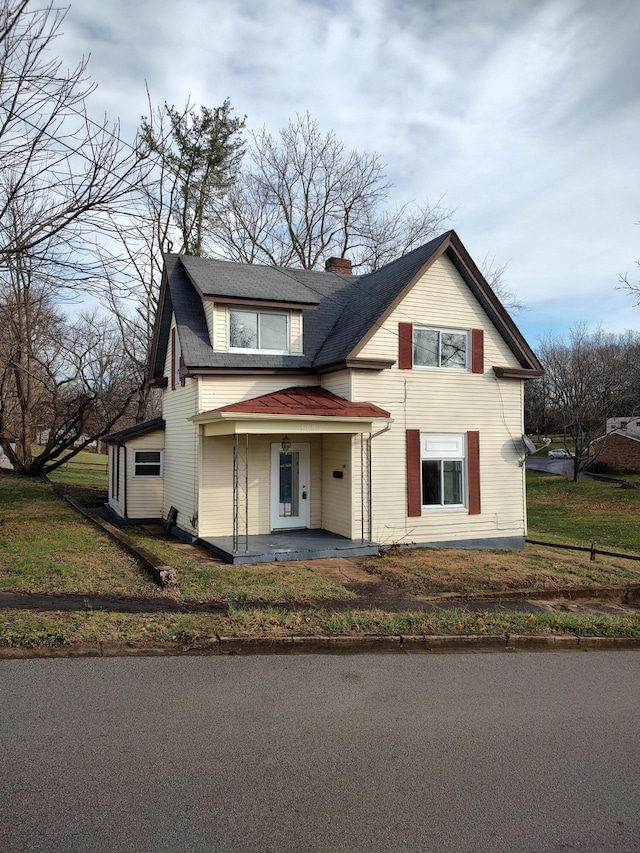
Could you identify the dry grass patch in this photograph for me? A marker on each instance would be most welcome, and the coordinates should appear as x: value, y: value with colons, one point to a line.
x: 421, y: 571
x: 204, y: 579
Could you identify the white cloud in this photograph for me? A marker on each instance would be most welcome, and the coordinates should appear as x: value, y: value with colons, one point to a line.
x: 525, y: 116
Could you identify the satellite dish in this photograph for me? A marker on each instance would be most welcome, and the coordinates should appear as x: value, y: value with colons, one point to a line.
x: 529, y: 444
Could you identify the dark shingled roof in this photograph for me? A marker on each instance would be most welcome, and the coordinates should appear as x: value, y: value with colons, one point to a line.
x: 134, y: 431
x: 348, y: 307
x: 246, y: 281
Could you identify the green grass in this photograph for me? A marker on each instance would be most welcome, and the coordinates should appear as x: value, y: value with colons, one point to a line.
x: 584, y: 512
x: 202, y: 579
x: 20, y: 628
x: 46, y: 547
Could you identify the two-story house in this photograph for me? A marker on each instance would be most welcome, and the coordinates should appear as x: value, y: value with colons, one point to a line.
x: 309, y: 412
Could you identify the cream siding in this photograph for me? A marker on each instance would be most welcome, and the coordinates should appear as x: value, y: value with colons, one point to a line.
x: 339, y: 383
x: 337, y: 494
x: 216, y: 517
x: 220, y: 336
x: 220, y: 391
x: 145, y: 495
x: 434, y: 400
x: 295, y: 334
x: 181, y: 450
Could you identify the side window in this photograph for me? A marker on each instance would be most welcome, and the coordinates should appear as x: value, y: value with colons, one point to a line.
x: 443, y: 471
x: 147, y: 463
x: 449, y: 349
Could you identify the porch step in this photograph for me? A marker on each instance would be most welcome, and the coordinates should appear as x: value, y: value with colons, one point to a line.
x: 287, y: 547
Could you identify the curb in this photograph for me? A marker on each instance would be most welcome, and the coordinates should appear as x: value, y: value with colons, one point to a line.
x: 328, y: 644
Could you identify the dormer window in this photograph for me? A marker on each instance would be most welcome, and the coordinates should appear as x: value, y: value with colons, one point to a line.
x: 259, y: 331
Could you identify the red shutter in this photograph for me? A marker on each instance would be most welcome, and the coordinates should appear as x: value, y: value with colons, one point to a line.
x: 473, y: 464
x: 405, y: 345
x: 414, y: 479
x: 477, y: 351
x: 183, y: 379
x: 173, y: 359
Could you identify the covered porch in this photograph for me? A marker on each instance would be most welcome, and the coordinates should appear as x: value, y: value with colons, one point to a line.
x: 295, y: 467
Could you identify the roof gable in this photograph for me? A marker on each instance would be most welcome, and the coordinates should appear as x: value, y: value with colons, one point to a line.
x: 340, y: 312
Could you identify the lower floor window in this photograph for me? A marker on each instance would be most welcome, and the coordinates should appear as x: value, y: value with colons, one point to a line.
x: 441, y: 483
x: 442, y: 458
x: 147, y: 463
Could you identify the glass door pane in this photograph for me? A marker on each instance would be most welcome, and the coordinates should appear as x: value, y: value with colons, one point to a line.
x: 289, y: 484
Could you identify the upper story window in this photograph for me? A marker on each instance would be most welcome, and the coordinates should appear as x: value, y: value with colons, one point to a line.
x: 440, y: 348
x: 259, y: 331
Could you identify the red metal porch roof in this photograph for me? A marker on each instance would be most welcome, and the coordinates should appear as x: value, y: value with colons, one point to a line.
x: 310, y: 401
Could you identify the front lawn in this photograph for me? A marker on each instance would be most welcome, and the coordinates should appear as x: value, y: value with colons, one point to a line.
x: 560, y: 510
x: 45, y: 546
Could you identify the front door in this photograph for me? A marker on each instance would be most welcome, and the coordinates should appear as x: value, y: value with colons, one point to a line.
x: 289, y: 487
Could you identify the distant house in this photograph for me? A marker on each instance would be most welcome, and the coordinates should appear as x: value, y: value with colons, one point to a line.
x: 631, y: 424
x: 619, y: 450
x: 383, y: 408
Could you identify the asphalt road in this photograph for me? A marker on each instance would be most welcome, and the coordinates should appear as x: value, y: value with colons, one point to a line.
x: 551, y: 466
x: 483, y: 753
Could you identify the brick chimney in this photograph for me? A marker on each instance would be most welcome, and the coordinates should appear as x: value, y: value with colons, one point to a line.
x: 339, y: 265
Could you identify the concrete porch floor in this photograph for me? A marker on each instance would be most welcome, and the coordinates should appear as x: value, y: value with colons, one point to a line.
x: 286, y: 545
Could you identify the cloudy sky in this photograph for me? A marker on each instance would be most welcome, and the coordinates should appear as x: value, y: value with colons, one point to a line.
x: 523, y: 115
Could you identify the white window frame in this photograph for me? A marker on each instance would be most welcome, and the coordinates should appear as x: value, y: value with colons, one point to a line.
x: 440, y: 331
x: 259, y: 311
x: 445, y: 447
x: 136, y: 464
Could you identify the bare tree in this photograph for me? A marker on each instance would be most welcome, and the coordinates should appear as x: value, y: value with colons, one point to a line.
x: 586, y: 379
x: 496, y: 275
x: 303, y: 196
x: 69, y: 168
x: 63, y: 178
x: 70, y: 380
